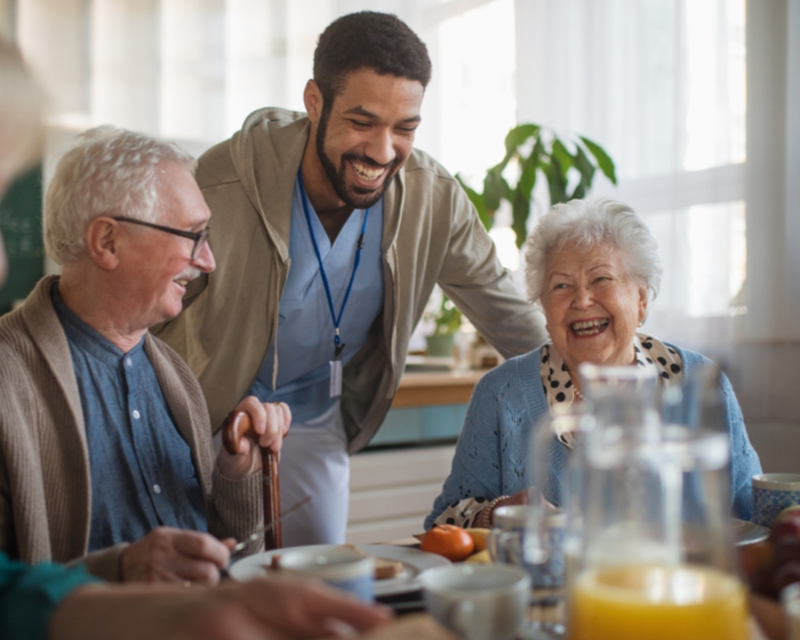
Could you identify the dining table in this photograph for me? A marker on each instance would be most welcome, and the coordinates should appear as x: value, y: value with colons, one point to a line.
x: 547, y: 605
x: 412, y: 621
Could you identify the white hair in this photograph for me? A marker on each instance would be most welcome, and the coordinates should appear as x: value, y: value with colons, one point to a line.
x: 109, y: 172
x: 591, y: 222
x: 21, y: 109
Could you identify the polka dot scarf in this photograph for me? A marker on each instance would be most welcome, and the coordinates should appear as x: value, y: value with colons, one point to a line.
x: 560, y: 391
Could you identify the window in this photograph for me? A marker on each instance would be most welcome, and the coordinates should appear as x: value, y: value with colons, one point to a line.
x: 661, y: 85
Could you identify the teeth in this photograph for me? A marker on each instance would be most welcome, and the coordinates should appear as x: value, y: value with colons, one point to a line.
x: 590, y: 327
x: 366, y: 172
x: 183, y: 283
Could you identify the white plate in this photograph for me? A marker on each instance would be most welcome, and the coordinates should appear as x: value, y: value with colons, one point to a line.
x: 414, y: 562
x: 745, y: 532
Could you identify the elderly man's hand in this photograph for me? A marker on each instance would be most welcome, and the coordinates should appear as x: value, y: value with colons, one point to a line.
x: 302, y: 608
x: 265, y: 609
x: 174, y: 555
x: 271, y: 422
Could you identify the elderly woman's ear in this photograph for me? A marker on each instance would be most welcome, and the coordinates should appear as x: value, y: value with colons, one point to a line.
x: 644, y: 300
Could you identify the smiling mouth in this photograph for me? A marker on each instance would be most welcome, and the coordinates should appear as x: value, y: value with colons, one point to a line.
x: 366, y: 173
x: 589, y: 327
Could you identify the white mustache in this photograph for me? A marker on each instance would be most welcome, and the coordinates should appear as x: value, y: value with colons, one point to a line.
x: 189, y: 273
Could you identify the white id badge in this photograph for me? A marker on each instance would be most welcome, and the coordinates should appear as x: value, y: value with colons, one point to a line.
x: 336, y: 378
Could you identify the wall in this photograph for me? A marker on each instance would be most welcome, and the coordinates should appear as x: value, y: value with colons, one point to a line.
x: 768, y: 356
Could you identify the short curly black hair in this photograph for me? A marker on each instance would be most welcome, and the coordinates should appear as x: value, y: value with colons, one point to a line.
x: 368, y: 40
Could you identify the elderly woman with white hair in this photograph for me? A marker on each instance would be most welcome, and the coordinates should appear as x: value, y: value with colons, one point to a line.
x: 594, y: 268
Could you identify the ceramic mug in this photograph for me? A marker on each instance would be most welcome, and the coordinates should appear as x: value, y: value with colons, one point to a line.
x: 772, y: 493
x: 478, y: 602
x: 342, y: 568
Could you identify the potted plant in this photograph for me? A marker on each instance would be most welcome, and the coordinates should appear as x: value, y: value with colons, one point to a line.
x: 447, y: 320
x: 569, y: 165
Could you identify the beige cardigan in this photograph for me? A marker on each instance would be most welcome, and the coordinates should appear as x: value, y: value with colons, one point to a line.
x: 45, y: 489
x: 431, y: 233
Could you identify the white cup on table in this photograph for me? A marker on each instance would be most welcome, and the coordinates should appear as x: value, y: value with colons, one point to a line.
x: 772, y: 493
x: 478, y: 602
x: 342, y: 568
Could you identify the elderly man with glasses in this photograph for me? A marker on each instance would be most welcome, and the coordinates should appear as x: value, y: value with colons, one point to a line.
x: 105, y: 445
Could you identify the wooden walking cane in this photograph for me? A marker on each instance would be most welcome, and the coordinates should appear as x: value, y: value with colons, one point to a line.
x: 236, y: 425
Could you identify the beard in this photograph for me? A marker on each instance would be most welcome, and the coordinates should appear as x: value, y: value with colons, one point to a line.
x: 352, y: 196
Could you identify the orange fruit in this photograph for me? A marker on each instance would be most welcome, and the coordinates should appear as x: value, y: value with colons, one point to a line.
x: 448, y: 540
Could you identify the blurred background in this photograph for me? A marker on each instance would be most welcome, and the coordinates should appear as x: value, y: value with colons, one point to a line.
x: 697, y: 102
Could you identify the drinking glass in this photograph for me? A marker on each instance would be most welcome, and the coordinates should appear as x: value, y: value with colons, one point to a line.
x: 552, y: 519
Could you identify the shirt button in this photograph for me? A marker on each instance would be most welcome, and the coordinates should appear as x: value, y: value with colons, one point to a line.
x: 128, y: 362
x: 156, y: 489
x: 135, y: 414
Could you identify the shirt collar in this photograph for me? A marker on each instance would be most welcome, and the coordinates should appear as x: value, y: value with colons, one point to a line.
x: 87, y: 338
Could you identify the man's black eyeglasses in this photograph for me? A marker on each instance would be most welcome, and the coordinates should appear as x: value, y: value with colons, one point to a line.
x: 199, y: 237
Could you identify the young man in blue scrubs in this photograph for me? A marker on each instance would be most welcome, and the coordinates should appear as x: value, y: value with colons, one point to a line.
x: 331, y: 231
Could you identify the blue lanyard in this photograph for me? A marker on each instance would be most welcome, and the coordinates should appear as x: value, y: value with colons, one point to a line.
x: 338, y: 346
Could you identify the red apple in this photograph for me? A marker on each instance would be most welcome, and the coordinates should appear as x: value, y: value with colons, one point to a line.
x: 785, y: 575
x: 789, y: 514
x: 787, y: 549
x: 787, y: 524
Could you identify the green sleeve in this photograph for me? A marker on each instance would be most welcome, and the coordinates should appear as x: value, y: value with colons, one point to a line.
x: 28, y: 596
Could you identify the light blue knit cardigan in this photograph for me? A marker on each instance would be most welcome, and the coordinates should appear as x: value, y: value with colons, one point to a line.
x: 491, y: 454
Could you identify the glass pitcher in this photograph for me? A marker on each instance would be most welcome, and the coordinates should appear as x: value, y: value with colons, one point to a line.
x: 655, y: 558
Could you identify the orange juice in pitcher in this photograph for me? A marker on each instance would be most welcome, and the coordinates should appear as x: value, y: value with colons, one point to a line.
x: 658, y: 603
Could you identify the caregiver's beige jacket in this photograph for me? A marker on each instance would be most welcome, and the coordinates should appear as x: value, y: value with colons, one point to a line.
x: 431, y: 233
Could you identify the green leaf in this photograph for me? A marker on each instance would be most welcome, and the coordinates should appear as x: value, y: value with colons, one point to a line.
x: 519, y: 135
x: 556, y: 181
x: 580, y: 191
x: 586, y: 168
x: 448, y: 319
x: 527, y: 179
x: 605, y: 163
x: 477, y: 200
x: 521, y: 209
x: 495, y: 189
x: 564, y: 157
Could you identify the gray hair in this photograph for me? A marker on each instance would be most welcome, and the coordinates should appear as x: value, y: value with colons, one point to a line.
x: 590, y: 222
x: 109, y: 172
x: 21, y: 109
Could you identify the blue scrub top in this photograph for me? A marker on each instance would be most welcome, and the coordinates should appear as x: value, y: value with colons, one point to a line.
x: 305, y: 326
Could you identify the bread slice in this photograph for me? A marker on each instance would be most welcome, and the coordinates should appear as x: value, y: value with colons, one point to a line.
x: 386, y: 569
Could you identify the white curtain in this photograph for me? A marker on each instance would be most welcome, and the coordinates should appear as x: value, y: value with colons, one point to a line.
x: 661, y: 85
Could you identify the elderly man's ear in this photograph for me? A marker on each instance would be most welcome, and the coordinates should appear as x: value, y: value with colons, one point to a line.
x: 102, y: 242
